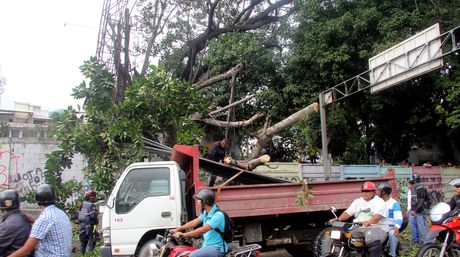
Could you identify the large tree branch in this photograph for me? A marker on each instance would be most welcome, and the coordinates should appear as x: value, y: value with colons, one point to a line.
x: 265, y: 135
x: 246, y: 12
x: 232, y: 124
x: 231, y: 105
x: 230, y: 73
x: 196, y: 45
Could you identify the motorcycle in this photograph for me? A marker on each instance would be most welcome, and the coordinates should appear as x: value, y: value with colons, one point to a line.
x: 340, y: 241
x: 168, y: 246
x: 443, y: 236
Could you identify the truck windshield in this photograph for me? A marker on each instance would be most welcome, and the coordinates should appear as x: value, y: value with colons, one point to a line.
x: 139, y: 184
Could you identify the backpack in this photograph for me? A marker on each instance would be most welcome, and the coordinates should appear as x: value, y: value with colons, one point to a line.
x: 228, y: 233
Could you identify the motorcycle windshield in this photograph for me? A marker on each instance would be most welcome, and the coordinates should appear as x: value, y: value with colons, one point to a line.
x: 437, y: 213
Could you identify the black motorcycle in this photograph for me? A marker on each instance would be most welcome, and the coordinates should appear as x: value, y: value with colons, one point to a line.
x: 341, y: 241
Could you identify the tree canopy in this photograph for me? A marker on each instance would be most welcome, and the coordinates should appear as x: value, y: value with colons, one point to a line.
x: 251, y: 70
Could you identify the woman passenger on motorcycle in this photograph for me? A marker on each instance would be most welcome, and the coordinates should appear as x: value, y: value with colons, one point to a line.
x: 371, y: 211
x: 211, y: 218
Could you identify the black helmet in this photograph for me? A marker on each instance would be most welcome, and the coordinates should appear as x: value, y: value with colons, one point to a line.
x: 9, y: 199
x: 385, y: 188
x: 206, y: 196
x: 455, y: 182
x: 415, y: 178
x: 45, y: 195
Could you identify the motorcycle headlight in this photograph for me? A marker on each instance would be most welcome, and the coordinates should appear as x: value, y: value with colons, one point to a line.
x: 335, y: 234
x: 438, y: 211
x: 106, y: 236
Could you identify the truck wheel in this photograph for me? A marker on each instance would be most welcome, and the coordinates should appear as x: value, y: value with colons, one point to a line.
x: 147, y: 250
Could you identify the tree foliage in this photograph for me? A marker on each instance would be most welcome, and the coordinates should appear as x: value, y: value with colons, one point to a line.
x: 285, y: 53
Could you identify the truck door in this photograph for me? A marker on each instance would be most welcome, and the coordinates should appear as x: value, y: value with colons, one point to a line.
x: 146, y: 200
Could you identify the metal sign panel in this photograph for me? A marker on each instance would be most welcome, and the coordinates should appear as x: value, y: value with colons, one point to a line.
x: 415, y: 56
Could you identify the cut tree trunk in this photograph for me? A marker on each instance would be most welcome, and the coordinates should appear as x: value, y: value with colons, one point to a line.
x: 266, y: 135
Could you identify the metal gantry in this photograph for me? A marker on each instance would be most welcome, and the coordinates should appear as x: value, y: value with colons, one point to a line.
x: 449, y: 43
x: 112, y: 14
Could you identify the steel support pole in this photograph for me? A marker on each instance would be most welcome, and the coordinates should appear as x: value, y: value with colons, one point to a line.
x: 324, y: 143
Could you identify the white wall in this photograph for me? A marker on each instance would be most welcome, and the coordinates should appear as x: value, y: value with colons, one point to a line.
x: 23, y: 161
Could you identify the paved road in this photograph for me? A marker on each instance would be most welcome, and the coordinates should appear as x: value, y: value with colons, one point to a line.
x: 277, y: 253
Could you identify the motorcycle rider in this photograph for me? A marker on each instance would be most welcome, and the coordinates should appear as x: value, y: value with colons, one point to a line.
x: 87, y: 217
x: 15, y: 226
x: 51, y: 232
x: 420, y: 204
x: 395, y: 216
x: 455, y: 200
x: 211, y: 218
x: 371, y: 211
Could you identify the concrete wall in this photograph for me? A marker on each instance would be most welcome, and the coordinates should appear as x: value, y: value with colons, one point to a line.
x: 22, y: 163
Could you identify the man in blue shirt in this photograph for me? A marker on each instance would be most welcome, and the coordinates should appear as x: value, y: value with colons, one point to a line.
x: 395, y: 216
x: 52, y: 231
x: 212, y: 219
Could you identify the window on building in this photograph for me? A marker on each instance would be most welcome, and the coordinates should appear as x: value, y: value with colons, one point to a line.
x: 15, y: 133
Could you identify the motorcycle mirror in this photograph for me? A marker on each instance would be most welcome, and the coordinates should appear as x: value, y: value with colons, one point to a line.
x: 334, y: 211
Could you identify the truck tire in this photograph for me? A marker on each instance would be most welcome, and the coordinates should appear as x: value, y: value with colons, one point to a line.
x: 323, y: 244
x: 145, y: 249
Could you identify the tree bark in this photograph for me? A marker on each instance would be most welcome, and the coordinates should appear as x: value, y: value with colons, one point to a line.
x: 229, y: 74
x: 264, y: 136
x: 234, y: 124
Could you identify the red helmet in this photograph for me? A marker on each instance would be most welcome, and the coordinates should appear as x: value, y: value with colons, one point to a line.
x: 368, y: 186
x: 90, y: 194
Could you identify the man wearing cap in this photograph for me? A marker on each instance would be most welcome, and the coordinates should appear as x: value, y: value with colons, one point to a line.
x: 371, y: 211
x: 15, y: 226
x: 51, y: 232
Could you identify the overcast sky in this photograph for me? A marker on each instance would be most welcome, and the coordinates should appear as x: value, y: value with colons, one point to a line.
x: 42, y: 45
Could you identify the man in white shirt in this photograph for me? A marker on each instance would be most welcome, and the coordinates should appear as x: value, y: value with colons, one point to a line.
x: 395, y: 216
x: 371, y: 211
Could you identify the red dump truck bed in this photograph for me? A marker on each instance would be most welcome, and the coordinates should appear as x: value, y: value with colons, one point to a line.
x: 274, y: 198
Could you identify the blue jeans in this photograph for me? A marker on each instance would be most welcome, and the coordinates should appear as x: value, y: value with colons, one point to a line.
x: 392, y: 242
x: 422, y: 226
x: 207, y: 251
x: 414, y: 230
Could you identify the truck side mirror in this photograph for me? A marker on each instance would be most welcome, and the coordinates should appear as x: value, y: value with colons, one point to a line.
x: 100, y: 203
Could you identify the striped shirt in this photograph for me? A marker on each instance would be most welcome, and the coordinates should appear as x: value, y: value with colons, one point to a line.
x: 395, y: 216
x: 54, y: 231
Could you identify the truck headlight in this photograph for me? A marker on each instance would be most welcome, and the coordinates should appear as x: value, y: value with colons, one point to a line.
x: 106, y: 236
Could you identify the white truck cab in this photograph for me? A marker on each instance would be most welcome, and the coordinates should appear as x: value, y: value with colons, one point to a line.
x: 146, y: 200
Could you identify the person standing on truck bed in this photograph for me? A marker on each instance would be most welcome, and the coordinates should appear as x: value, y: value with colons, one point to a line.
x: 51, y: 232
x: 217, y: 152
x: 212, y: 219
x: 15, y: 226
x: 371, y: 211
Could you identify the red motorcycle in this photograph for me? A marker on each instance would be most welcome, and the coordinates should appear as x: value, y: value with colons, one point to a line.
x: 168, y: 246
x: 444, y: 233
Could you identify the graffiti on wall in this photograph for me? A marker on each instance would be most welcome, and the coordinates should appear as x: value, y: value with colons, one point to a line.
x: 11, y: 176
